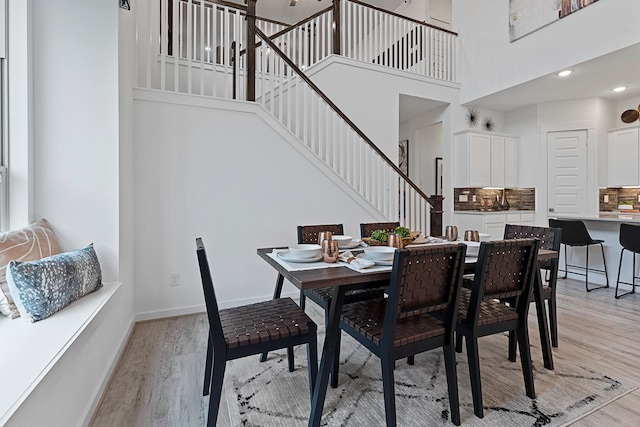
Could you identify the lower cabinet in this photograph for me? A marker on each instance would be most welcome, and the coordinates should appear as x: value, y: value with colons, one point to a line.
x: 491, y: 223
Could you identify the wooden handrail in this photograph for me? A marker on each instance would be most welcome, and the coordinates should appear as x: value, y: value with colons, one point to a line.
x: 291, y: 27
x: 338, y: 111
x: 397, y: 15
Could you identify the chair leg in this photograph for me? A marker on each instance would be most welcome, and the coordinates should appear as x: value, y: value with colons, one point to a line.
x: 553, y: 319
x: 388, y: 386
x: 312, y: 361
x: 291, y: 359
x: 633, y: 274
x: 512, y: 346
x: 606, y: 276
x: 525, y: 358
x: 452, y: 383
x: 411, y: 360
x: 207, y: 368
x: 335, y: 362
x: 458, y: 343
x: 303, y: 300
x: 565, y: 262
x: 473, y: 358
x: 219, y: 365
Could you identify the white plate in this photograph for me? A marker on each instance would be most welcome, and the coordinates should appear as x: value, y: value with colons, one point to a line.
x: 286, y: 256
x: 378, y: 262
x: 351, y: 245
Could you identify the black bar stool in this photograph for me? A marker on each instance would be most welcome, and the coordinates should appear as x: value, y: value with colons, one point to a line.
x: 574, y: 233
x: 629, y: 240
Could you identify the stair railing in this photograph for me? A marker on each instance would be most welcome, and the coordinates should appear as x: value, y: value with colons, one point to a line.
x: 285, y: 91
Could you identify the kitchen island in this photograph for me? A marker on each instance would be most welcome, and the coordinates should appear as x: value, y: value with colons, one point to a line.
x: 605, y: 226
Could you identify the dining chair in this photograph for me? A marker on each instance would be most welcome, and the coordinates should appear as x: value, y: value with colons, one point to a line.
x: 418, y: 315
x: 549, y: 239
x: 575, y: 234
x: 367, y: 228
x: 629, y: 239
x: 248, y: 330
x: 323, y: 296
x: 504, y: 270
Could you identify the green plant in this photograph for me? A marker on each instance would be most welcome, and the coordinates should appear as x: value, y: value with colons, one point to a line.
x: 628, y: 202
x: 403, y: 231
x: 379, y: 235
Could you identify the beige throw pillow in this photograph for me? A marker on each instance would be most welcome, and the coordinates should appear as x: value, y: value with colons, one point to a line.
x: 33, y: 242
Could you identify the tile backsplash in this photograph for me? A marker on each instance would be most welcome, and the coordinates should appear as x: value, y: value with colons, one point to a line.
x: 618, y: 196
x: 519, y: 199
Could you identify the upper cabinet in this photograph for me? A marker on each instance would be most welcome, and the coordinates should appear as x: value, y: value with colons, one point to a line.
x: 485, y: 159
x: 624, y: 156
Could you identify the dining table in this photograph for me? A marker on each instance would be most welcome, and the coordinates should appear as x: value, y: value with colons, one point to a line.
x: 342, y: 277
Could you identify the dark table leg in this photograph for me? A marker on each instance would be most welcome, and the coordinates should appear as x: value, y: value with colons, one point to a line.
x: 328, y: 349
x: 543, y: 326
x: 276, y: 294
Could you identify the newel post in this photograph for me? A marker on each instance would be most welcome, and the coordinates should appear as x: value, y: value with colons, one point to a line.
x: 251, y: 50
x: 337, y: 31
x: 435, y: 228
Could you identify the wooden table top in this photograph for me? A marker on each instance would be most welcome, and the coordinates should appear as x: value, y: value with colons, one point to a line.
x: 340, y: 276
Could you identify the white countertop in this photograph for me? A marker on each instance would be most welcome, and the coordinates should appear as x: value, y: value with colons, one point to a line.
x: 605, y: 216
x: 493, y: 212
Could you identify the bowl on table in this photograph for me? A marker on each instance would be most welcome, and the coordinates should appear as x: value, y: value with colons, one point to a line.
x: 343, y: 241
x: 380, y: 254
x: 305, y: 250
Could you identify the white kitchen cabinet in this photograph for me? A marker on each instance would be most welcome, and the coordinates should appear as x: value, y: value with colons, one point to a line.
x: 485, y: 159
x: 490, y: 222
x: 624, y: 156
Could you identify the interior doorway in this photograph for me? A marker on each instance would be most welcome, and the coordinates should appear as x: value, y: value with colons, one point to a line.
x: 428, y: 148
x: 567, y: 172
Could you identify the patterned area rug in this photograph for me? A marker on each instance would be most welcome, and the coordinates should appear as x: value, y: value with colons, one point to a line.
x: 266, y: 394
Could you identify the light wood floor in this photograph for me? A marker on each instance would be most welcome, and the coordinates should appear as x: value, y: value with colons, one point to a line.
x: 158, y: 380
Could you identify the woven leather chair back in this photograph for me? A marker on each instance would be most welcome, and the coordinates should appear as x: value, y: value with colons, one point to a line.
x: 505, y: 268
x: 309, y: 233
x: 209, y: 296
x: 549, y: 237
x: 426, y: 279
x: 367, y: 228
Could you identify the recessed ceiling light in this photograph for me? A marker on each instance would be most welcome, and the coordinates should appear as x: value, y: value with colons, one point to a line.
x: 619, y: 88
x: 565, y: 73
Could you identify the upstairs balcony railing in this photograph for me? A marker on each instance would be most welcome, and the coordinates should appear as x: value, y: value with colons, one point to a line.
x: 219, y: 49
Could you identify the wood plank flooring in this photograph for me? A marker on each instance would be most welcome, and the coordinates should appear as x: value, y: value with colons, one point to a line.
x: 158, y: 380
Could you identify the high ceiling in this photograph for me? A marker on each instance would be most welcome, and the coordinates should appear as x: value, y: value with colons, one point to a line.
x: 591, y: 79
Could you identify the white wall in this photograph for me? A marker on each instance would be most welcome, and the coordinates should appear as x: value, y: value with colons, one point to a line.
x: 215, y: 169
x: 69, y: 79
x: 490, y: 63
x: 76, y: 132
x: 370, y: 96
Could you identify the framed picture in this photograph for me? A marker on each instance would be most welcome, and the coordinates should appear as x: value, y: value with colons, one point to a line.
x: 438, y: 176
x: 403, y: 156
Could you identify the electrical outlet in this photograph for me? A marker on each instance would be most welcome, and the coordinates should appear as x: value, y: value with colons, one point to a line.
x: 473, y: 197
x: 606, y: 198
x: 174, y: 279
x: 463, y: 198
x: 639, y: 197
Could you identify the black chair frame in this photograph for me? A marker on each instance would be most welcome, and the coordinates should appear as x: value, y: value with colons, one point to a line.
x: 220, y: 347
x: 485, y: 316
x: 550, y: 239
x: 575, y: 234
x: 630, y: 241
x: 400, y: 311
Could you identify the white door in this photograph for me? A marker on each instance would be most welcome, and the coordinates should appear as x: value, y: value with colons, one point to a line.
x: 567, y: 172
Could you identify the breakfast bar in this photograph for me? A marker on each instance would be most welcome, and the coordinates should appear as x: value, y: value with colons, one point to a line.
x: 605, y: 226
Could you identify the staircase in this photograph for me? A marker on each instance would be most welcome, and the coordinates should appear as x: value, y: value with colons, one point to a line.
x: 218, y: 49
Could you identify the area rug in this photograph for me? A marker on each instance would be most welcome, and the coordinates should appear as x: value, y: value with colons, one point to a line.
x: 266, y: 394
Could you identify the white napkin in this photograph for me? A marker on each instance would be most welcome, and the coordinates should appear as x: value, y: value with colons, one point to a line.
x: 360, y: 263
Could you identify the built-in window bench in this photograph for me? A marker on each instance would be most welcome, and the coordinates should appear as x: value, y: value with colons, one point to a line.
x: 28, y: 351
